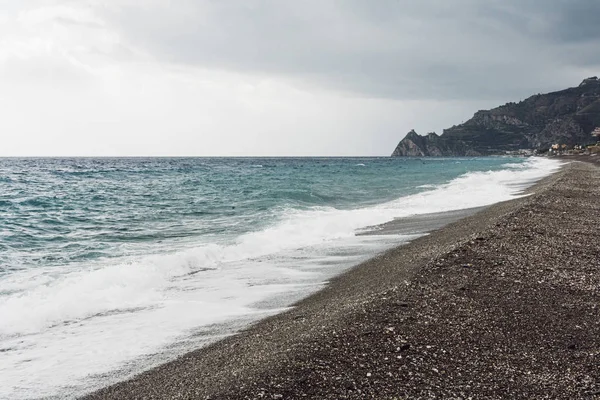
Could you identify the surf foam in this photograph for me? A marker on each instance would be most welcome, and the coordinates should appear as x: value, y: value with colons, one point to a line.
x: 62, y: 325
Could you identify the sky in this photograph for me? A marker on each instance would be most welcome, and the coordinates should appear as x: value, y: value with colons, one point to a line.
x: 273, y: 78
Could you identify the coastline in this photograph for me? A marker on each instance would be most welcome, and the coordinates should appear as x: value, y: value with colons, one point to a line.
x: 414, y: 321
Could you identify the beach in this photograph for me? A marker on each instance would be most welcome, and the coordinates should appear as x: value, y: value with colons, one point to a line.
x: 93, y: 296
x: 501, y: 304
x: 287, y: 200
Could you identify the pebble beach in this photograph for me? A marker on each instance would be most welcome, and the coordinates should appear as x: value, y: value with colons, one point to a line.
x: 504, y: 303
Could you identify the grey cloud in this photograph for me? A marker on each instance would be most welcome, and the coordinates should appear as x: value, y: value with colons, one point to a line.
x: 578, y: 21
x: 388, y: 48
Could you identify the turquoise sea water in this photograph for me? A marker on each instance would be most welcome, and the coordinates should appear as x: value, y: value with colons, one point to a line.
x: 95, y: 254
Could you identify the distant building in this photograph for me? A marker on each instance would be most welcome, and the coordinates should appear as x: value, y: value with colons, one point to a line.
x: 590, y: 80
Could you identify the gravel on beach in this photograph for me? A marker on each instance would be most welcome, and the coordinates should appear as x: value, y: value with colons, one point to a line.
x: 501, y: 304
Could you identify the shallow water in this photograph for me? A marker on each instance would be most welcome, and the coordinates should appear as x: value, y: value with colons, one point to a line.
x: 108, y: 266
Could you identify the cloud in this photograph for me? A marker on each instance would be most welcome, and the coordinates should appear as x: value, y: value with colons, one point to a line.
x: 576, y: 21
x: 271, y: 77
x: 390, y: 48
x: 58, y: 41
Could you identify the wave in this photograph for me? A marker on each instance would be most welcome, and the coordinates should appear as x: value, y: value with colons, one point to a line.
x: 138, y: 282
x: 213, y: 281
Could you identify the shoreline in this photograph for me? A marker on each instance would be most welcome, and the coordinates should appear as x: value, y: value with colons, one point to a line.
x: 420, y: 224
x: 316, y: 348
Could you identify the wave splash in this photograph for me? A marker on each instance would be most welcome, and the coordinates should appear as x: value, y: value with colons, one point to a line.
x: 63, y: 318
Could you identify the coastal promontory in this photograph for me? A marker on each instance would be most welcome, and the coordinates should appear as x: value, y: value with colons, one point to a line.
x: 567, y: 117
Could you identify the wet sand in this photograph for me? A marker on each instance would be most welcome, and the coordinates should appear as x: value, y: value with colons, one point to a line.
x: 501, y: 304
x: 592, y: 159
x: 419, y: 224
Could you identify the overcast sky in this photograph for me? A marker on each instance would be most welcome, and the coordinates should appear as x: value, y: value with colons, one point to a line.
x: 251, y: 77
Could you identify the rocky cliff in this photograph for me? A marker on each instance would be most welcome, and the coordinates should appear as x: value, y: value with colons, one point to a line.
x: 567, y: 116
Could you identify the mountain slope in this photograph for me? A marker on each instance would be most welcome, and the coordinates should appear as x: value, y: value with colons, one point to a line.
x: 567, y: 116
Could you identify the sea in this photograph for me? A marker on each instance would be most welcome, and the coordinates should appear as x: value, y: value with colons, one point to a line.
x: 109, y: 266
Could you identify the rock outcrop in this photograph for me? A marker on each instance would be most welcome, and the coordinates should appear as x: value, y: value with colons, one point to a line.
x: 567, y: 116
x: 415, y: 145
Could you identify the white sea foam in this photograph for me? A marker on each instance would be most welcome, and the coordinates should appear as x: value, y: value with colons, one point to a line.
x: 58, y: 327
